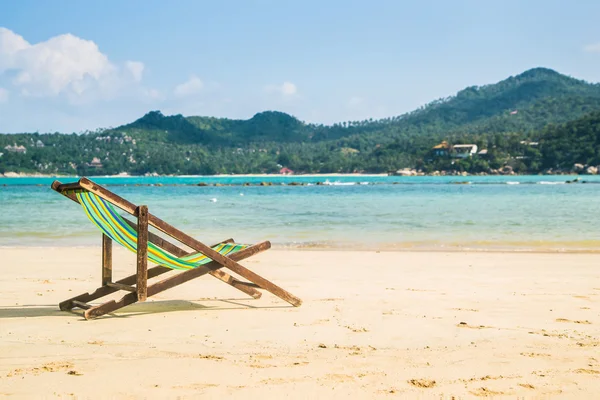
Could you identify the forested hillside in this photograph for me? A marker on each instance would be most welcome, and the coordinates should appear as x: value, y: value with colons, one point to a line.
x: 555, y: 112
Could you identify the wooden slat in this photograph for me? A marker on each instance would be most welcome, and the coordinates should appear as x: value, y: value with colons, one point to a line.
x: 61, y: 187
x: 250, y: 284
x: 106, y: 290
x: 82, y: 305
x: 160, y: 242
x: 106, y: 259
x: 142, y: 253
x: 120, y: 286
x: 193, y: 243
x: 242, y: 286
x: 172, y: 282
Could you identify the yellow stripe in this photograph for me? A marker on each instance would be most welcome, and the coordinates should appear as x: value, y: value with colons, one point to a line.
x: 95, y: 210
x: 151, y: 248
x: 106, y: 218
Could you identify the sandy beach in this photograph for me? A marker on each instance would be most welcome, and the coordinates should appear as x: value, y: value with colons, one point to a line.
x: 373, y: 325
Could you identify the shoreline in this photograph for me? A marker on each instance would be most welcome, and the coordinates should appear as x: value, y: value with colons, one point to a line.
x: 324, y: 249
x: 447, y: 174
x: 26, y: 175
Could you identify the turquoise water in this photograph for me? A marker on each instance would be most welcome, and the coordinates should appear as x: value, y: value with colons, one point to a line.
x: 368, y: 212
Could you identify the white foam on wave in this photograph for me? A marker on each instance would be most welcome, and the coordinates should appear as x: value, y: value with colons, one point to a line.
x: 513, y: 183
x: 338, y: 183
x: 550, y: 183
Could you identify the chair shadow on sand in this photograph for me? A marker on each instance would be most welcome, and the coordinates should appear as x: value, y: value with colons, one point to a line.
x: 149, y: 307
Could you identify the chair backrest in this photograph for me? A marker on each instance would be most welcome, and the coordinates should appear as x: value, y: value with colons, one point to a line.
x: 108, y: 220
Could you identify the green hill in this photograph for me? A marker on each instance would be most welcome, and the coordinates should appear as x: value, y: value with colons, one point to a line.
x: 577, y: 141
x: 498, y: 116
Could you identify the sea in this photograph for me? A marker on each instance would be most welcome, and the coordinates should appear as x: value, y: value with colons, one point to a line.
x: 382, y: 213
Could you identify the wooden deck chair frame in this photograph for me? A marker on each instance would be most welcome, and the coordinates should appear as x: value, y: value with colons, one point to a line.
x: 141, y: 291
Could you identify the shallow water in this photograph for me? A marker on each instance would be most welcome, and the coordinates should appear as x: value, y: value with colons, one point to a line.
x: 483, y: 212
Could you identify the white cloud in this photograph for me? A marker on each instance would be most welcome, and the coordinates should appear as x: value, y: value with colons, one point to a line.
x: 3, y: 95
x: 136, y: 69
x: 63, y: 64
x: 10, y: 45
x: 592, y: 48
x: 286, y: 89
x: 192, y: 86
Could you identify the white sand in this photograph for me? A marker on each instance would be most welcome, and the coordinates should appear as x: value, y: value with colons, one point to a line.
x: 373, y: 325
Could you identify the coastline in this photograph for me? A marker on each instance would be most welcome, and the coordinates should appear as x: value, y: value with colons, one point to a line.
x: 27, y: 175
x: 447, y: 174
x: 304, y: 248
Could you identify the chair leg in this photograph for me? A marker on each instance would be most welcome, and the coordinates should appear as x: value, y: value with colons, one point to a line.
x: 142, y: 253
x: 110, y: 306
x: 67, y: 305
x: 106, y: 259
x: 130, y: 298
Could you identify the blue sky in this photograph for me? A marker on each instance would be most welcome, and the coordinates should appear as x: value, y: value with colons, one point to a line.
x: 75, y: 65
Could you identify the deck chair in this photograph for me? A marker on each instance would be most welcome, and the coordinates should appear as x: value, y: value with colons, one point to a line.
x: 99, y: 205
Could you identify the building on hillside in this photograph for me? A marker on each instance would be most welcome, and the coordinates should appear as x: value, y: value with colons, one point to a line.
x: 16, y: 149
x: 441, y: 150
x: 528, y: 143
x: 96, y: 163
x: 286, y: 171
x: 464, y: 150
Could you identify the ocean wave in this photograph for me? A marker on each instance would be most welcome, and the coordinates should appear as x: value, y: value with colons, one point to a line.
x: 338, y: 183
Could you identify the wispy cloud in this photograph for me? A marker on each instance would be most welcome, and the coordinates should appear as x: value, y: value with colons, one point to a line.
x: 192, y: 86
x: 286, y: 89
x: 592, y: 48
x: 136, y: 69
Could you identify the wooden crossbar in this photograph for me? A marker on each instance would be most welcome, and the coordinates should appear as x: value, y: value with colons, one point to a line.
x: 120, y: 286
x: 142, y: 290
x: 82, y: 305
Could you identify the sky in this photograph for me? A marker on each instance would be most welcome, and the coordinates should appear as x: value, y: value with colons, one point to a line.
x: 71, y: 66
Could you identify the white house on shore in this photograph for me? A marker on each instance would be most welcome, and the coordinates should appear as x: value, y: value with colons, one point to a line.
x: 464, y: 150
x: 16, y: 149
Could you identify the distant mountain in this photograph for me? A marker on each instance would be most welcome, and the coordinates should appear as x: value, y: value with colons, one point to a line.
x: 268, y: 126
x: 521, y: 103
x: 498, y: 116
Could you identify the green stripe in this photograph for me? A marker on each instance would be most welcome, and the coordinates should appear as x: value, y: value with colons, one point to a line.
x: 104, y: 216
